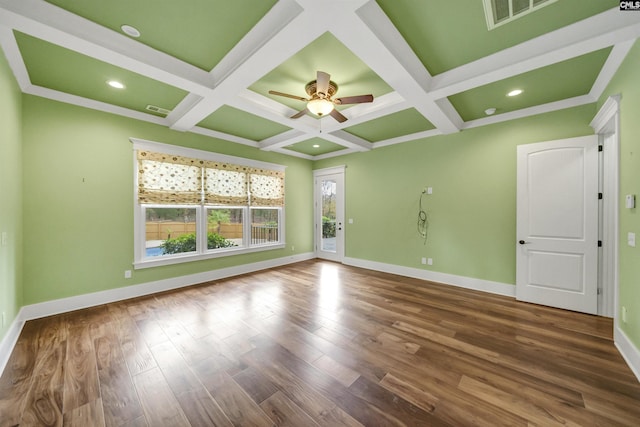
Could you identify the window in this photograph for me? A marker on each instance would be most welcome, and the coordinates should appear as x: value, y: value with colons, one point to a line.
x: 499, y: 12
x: 193, y: 204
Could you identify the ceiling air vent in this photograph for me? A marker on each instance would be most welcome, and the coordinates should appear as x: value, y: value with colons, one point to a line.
x: 158, y: 110
x: 499, y: 12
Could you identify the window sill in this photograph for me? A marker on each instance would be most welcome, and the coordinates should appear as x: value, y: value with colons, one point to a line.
x: 179, y: 259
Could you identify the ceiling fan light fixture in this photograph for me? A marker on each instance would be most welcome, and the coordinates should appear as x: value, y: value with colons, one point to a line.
x: 320, y: 107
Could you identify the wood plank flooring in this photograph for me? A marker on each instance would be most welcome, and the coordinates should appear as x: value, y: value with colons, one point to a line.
x: 318, y: 344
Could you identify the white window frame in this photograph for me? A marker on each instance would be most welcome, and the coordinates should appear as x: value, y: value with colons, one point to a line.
x: 490, y: 17
x: 202, y: 253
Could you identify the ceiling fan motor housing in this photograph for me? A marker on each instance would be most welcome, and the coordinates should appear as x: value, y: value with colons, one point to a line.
x: 310, y: 88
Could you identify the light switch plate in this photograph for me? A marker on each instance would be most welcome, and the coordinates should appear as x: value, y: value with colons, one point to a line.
x: 630, y: 201
x: 631, y: 239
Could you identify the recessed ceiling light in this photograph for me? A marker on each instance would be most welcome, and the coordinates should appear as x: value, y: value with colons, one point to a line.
x: 115, y: 84
x: 490, y: 111
x: 316, y: 146
x: 515, y: 92
x: 130, y: 31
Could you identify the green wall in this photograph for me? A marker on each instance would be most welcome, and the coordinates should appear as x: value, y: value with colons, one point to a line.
x: 10, y: 196
x: 472, y: 211
x: 78, y: 200
x: 627, y: 83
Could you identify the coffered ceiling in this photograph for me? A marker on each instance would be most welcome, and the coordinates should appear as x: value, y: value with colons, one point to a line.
x: 433, y: 66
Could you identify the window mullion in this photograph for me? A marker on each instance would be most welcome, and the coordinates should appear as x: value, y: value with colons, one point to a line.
x: 247, y: 226
x: 201, y: 218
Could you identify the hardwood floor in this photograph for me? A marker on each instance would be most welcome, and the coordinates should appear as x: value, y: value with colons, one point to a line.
x: 318, y: 344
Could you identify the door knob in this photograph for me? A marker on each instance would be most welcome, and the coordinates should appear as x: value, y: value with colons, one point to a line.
x: 522, y: 242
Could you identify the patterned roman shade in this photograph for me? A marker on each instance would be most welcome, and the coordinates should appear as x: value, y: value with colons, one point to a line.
x: 266, y: 187
x: 225, y: 184
x: 171, y: 179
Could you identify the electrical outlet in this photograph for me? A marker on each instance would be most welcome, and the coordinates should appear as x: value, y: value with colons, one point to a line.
x: 429, y: 190
x: 624, y: 314
x: 430, y: 261
x: 293, y: 248
x: 127, y: 274
x: 3, y: 239
x: 424, y: 261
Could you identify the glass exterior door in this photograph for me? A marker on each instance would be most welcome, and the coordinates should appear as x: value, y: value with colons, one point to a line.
x: 329, y: 212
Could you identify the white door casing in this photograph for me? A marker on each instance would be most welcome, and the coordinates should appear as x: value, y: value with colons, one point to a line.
x: 557, y: 224
x: 329, y: 196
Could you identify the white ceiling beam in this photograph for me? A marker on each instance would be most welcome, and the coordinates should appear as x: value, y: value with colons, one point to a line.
x: 407, y: 138
x: 224, y: 136
x: 531, y: 111
x: 617, y: 55
x: 289, y: 26
x: 279, y: 16
x: 262, y: 106
x: 348, y: 140
x: 373, y: 37
x: 293, y: 153
x: 335, y: 154
x: 284, y: 43
x: 68, y: 98
x: 284, y: 139
x: 48, y: 22
x: 12, y: 53
x: 382, y: 106
x: 591, y: 34
x: 183, y: 106
x: 269, y: 109
x: 293, y: 137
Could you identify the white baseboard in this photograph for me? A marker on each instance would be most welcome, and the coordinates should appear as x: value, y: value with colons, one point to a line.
x: 628, y: 350
x: 434, y: 276
x: 9, y: 341
x: 49, y: 308
x: 64, y: 305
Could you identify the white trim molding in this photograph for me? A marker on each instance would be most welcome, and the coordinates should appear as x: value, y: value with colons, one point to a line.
x: 630, y: 353
x: 608, y: 110
x: 49, y: 308
x: 64, y: 305
x: 506, y: 289
x: 9, y: 341
x: 143, y: 144
x: 329, y: 171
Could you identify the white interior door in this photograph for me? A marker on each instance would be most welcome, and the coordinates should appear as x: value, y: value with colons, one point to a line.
x: 557, y: 224
x: 329, y: 213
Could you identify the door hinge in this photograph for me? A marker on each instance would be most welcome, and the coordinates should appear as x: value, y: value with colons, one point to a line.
x: 599, y: 196
x: 600, y: 147
x: 599, y: 243
x: 599, y: 291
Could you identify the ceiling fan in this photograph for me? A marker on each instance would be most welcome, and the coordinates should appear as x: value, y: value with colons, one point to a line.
x: 320, y: 101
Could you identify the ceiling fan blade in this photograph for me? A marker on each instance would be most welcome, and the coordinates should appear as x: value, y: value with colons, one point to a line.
x: 338, y: 116
x: 300, y: 114
x: 286, y: 95
x: 358, y: 99
x: 322, y: 83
